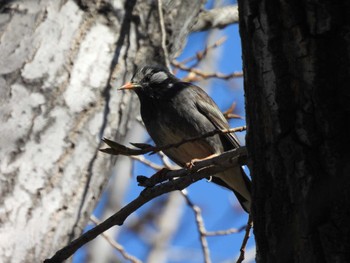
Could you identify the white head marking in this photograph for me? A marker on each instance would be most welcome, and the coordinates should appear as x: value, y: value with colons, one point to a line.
x: 159, y: 77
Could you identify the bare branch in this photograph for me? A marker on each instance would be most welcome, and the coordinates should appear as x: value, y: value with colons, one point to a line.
x: 184, y: 178
x: 216, y: 18
x: 147, y: 162
x: 200, y: 225
x: 229, y: 113
x: 235, y: 157
x: 116, y: 148
x: 206, y: 75
x: 225, y: 232
x: 114, y: 244
x: 162, y: 28
x: 201, y: 54
x: 245, y: 239
x: 166, y: 162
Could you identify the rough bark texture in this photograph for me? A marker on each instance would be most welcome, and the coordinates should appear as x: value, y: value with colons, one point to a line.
x: 297, y: 72
x: 59, y: 63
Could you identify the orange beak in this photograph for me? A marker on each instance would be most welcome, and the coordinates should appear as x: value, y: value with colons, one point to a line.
x: 129, y: 86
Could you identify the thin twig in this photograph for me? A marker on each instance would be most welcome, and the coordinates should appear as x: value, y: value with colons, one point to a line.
x: 245, y: 239
x: 225, y: 232
x: 116, y: 148
x: 147, y: 162
x: 201, y: 54
x: 114, y: 244
x: 229, y: 113
x: 205, y: 75
x: 162, y: 28
x: 200, y: 226
x: 166, y: 162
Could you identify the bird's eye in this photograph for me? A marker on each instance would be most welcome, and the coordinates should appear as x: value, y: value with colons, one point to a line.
x: 147, y: 78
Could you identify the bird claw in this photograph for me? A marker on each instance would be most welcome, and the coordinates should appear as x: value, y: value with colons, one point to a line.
x: 192, y: 163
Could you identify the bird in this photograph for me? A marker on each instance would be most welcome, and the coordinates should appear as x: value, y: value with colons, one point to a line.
x: 173, y: 110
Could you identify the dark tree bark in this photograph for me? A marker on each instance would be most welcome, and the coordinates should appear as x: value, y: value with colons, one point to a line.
x: 297, y: 74
x: 60, y: 64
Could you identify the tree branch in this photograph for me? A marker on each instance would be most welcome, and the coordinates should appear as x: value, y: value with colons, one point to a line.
x: 184, y: 178
x: 245, y: 239
x: 143, y: 148
x: 201, y: 228
x: 162, y: 28
x: 201, y: 54
x: 206, y: 75
x: 216, y: 18
x: 225, y: 232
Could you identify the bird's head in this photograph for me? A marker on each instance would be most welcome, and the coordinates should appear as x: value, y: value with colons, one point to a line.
x: 151, y: 81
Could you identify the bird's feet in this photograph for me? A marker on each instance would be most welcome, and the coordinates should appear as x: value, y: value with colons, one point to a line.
x: 192, y: 163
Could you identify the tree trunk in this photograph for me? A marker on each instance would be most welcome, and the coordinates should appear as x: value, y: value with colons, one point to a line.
x: 297, y: 74
x: 60, y: 64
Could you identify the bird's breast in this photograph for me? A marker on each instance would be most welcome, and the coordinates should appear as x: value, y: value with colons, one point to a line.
x: 166, y: 128
x: 174, y: 121
x: 164, y: 133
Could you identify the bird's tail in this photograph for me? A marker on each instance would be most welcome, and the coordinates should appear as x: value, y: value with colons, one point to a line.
x: 236, y: 180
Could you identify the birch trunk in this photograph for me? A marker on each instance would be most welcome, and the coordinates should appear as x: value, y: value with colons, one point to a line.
x: 61, y: 62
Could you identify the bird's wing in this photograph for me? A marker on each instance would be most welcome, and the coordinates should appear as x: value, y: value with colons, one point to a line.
x: 235, y: 178
x: 210, y: 110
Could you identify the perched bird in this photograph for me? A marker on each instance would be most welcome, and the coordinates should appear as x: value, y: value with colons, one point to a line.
x: 173, y: 110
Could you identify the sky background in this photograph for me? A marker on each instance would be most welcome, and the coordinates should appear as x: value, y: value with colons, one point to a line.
x: 220, y: 209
